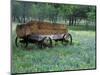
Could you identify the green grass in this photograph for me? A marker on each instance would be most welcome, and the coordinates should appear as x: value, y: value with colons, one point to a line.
x: 82, y: 28
x: 80, y: 55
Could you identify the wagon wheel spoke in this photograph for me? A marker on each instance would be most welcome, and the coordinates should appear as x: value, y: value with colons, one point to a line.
x: 68, y: 39
x: 47, y: 42
x: 20, y: 42
x: 23, y: 44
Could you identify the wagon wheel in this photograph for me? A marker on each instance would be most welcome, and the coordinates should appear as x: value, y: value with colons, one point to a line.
x: 47, y: 42
x: 21, y: 42
x: 67, y: 39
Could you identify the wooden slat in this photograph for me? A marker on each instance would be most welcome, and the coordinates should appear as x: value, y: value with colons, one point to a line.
x: 43, y: 28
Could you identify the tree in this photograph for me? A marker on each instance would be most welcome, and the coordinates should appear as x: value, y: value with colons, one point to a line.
x: 16, y: 11
x: 74, y: 14
x: 67, y: 11
x: 92, y: 15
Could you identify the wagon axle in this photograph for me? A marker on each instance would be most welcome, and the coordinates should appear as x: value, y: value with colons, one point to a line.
x: 44, y: 42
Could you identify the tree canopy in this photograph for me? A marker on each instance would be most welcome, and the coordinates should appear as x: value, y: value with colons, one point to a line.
x: 52, y: 12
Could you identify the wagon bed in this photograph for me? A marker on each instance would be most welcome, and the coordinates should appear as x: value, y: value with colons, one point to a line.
x: 39, y: 31
x: 40, y: 28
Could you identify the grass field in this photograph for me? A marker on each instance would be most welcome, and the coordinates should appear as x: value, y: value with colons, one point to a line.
x: 80, y: 55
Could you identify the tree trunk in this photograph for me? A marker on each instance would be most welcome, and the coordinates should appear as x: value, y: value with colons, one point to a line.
x: 72, y: 20
x: 18, y: 19
x: 23, y: 19
x: 14, y: 18
x: 75, y: 21
x: 69, y: 21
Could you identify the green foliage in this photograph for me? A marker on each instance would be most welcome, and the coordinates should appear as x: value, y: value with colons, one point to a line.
x: 53, y: 12
x: 92, y: 13
x: 17, y: 9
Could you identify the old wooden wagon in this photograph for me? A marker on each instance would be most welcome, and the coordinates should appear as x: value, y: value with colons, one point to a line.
x: 43, y: 34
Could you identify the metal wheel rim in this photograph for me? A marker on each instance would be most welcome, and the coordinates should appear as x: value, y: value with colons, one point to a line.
x: 68, y: 39
x: 19, y: 44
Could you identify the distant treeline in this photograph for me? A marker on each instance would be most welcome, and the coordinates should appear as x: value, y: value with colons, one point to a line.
x: 70, y: 14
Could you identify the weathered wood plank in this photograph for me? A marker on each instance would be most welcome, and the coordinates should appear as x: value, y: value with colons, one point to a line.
x: 40, y: 28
